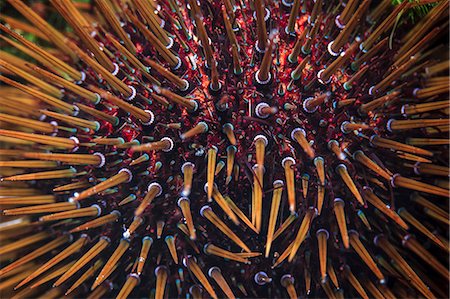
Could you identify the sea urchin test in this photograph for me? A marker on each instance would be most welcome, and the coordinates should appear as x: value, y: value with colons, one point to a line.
x: 233, y: 148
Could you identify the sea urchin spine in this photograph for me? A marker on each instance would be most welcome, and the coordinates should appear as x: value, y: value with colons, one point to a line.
x: 237, y: 148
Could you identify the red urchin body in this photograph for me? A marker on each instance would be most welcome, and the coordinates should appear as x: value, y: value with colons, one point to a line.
x: 178, y: 156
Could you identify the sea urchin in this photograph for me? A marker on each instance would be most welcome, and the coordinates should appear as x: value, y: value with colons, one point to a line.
x: 237, y: 148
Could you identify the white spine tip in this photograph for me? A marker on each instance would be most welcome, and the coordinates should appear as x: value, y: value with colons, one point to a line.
x: 258, y: 48
x: 323, y: 231
x: 147, y: 238
x: 97, y: 125
x: 133, y: 93
x: 286, y: 29
x: 278, y: 183
x: 185, y: 262
x: 295, y: 132
x: 377, y: 238
x: 98, y: 99
x: 116, y: 69
x: 204, y: 209
x: 211, y: 270
x: 99, y: 210
x: 170, y: 45
x: 263, y: 82
x: 403, y: 109
x: 287, y: 3
x: 106, y: 239
x: 416, y: 168
x: 130, y: 174
x: 283, y: 162
x: 305, y: 106
x: 216, y: 89
x: 339, y: 200
x: 170, y: 142
x: 264, y: 138
x: 371, y: 139
x: 205, y: 187
x: 331, y: 142
x: 319, y: 77
x: 126, y: 234
x: 195, y: 105
x: 155, y: 185
x: 330, y: 49
x: 357, y: 153
x: 187, y: 164
x: 77, y: 143
x: 117, y: 213
x: 186, y: 85
x: 393, y: 180
x: 389, y: 124
x: 341, y: 166
x: 228, y: 125
x: 83, y: 77
x: 182, y: 199
x: 338, y: 23
x: 102, y: 159
x: 205, y: 125
x: 361, y: 47
x: 55, y: 127
x: 76, y: 110
x: 353, y: 232
x: 286, y: 278
x: 343, y: 129
x: 178, y: 65
x: 317, y: 159
x: 151, y: 120
x: 258, y: 110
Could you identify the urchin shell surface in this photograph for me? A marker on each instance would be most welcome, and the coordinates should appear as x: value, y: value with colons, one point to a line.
x: 235, y: 148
